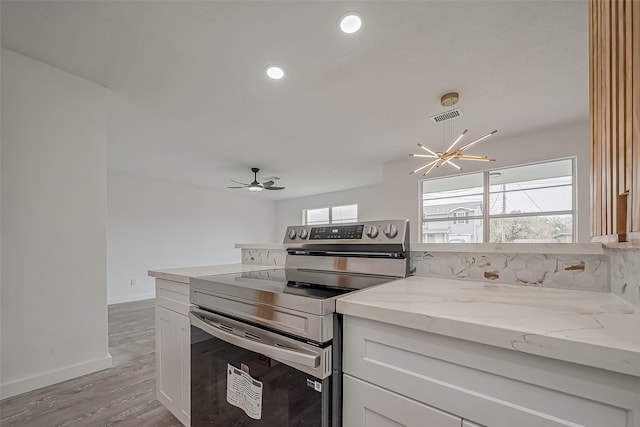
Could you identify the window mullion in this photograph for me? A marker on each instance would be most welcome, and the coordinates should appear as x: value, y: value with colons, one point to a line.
x: 485, y: 211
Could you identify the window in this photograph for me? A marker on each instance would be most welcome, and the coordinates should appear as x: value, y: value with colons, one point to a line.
x: 523, y: 204
x: 461, y: 214
x: 330, y: 215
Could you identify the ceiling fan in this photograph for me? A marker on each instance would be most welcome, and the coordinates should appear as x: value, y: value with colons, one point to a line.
x: 267, y: 184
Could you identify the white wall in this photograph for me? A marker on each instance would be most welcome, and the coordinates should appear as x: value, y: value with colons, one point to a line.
x: 156, y: 224
x: 53, y: 280
x: 398, y: 195
x: 369, y: 199
x: 401, y: 189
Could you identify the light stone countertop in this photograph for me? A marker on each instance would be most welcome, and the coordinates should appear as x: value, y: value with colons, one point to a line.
x: 588, y: 328
x: 184, y: 275
x: 509, y: 248
x: 512, y: 248
x: 259, y: 246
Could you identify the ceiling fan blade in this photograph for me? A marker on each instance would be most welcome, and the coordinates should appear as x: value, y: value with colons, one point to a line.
x: 238, y: 182
x: 237, y: 187
x: 271, y: 178
x: 267, y: 184
x: 274, y: 188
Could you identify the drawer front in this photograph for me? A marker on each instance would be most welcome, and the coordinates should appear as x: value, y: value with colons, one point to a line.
x: 416, y: 364
x: 367, y: 405
x: 173, y: 296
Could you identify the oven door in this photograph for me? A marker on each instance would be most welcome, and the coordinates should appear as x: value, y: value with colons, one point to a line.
x: 243, y: 375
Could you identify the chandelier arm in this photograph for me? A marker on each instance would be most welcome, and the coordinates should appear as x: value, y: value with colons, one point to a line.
x: 429, y: 156
x: 457, y: 140
x: 422, y: 167
x: 426, y: 149
x: 478, y: 160
x: 452, y: 164
x: 478, y: 140
x: 429, y: 170
x: 472, y: 156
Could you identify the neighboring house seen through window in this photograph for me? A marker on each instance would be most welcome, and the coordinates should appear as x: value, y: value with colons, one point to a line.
x: 532, y: 203
x: 330, y: 215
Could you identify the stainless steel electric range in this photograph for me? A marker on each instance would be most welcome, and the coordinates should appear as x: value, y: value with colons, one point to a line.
x: 266, y: 345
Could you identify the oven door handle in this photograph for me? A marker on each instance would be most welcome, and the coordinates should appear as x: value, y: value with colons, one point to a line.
x: 282, y: 353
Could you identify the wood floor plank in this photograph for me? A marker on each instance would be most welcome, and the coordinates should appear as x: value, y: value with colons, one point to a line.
x: 123, y: 395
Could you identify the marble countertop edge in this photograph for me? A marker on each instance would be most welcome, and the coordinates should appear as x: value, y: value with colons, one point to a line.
x: 615, y: 359
x: 520, y: 248
x: 512, y: 248
x: 185, y: 274
x: 260, y: 246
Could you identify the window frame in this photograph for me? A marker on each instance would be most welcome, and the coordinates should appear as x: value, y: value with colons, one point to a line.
x: 305, y: 215
x: 486, y: 216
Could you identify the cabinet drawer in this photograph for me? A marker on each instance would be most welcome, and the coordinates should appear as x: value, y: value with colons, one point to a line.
x: 173, y: 296
x: 445, y: 373
x: 367, y: 405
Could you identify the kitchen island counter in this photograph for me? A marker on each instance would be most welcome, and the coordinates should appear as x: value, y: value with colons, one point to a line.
x: 185, y: 274
x: 589, y: 328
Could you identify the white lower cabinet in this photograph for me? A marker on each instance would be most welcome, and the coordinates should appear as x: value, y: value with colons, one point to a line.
x: 173, y: 344
x: 367, y: 405
x: 395, y: 376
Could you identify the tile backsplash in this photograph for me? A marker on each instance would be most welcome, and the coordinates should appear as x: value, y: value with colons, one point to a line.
x: 615, y: 270
x: 584, y: 272
x: 625, y: 274
x: 264, y: 256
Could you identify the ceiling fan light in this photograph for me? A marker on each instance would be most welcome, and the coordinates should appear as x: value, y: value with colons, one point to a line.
x: 255, y: 188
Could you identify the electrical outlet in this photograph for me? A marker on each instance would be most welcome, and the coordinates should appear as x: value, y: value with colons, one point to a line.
x: 133, y: 282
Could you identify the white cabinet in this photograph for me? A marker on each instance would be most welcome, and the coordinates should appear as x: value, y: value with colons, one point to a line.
x: 491, y: 386
x: 173, y: 344
x: 367, y: 405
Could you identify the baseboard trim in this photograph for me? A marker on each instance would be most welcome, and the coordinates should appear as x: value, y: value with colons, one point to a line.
x: 130, y: 298
x: 34, y: 382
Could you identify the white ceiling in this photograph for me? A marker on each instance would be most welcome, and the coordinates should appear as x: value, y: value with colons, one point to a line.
x: 193, y: 104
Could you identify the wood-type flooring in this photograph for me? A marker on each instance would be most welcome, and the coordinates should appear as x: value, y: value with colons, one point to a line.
x: 123, y: 395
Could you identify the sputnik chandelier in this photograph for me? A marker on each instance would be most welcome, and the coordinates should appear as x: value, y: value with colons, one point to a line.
x: 445, y: 157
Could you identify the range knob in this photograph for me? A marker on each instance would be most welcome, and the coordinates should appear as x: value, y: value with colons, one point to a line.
x: 371, y: 231
x: 292, y: 234
x: 390, y: 231
x: 303, y: 233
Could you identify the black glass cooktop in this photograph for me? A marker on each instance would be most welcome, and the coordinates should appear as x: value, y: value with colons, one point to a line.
x: 308, y: 284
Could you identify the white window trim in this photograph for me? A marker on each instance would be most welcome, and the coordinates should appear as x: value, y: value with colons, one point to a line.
x: 304, y: 214
x: 485, y: 217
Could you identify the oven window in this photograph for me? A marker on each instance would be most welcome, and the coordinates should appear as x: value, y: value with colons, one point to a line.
x: 288, y: 400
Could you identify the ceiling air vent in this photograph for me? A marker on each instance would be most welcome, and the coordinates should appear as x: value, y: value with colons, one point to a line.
x: 447, y: 115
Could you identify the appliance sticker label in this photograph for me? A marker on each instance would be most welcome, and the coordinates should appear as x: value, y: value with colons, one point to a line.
x: 244, y: 392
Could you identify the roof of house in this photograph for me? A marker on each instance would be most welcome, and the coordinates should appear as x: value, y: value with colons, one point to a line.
x: 430, y: 209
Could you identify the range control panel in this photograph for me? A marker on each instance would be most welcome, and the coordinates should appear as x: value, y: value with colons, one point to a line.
x: 384, y: 231
x: 337, y: 232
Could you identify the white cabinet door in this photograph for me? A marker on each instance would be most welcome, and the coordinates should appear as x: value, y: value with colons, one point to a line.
x: 367, y: 405
x: 183, y: 328
x: 173, y: 380
x: 167, y: 377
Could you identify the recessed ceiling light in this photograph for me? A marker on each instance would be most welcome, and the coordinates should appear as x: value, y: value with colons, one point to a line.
x: 350, y: 23
x: 275, y: 73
